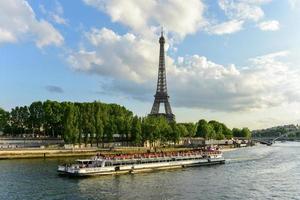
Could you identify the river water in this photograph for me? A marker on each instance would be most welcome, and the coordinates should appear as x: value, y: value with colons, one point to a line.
x: 259, y: 172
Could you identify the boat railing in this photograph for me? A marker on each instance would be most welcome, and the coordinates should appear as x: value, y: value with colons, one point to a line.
x: 158, y: 155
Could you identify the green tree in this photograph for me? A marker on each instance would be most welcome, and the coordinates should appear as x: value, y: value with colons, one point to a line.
x: 149, y: 129
x: 236, y: 132
x: 183, y: 132
x: 136, y: 131
x: 164, y: 130
x: 86, y: 122
x: 4, y: 119
x: 111, y: 130
x: 245, y: 132
x: 127, y: 127
x: 19, y: 119
x: 37, y: 116
x: 176, y: 133
x: 211, y: 132
x: 191, y: 129
x: 205, y: 130
x: 70, y: 122
x: 91, y: 129
x: 98, y: 122
x: 202, y: 128
x: 218, y: 130
x: 227, y: 132
x: 53, y: 117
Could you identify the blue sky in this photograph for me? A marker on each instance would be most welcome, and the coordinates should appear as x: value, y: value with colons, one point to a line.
x: 232, y: 60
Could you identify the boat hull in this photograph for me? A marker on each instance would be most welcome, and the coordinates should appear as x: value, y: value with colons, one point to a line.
x: 132, y: 169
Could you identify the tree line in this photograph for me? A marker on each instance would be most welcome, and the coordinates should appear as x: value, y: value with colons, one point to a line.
x: 97, y: 122
x: 219, y: 131
x: 278, y: 131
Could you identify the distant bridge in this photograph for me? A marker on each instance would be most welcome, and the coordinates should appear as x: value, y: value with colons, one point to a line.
x: 271, y: 140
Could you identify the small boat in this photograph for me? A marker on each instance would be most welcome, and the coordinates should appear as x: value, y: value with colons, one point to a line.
x: 133, y: 163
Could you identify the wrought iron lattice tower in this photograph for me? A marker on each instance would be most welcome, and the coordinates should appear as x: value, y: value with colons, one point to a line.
x: 161, y: 95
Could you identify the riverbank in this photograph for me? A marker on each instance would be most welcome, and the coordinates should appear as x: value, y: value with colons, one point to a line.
x: 52, y: 153
x: 45, y: 153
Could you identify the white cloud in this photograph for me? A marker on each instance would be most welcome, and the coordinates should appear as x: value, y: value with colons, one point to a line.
x: 194, y: 81
x: 6, y: 36
x: 124, y: 56
x: 18, y: 22
x: 248, y: 11
x: 58, y: 19
x: 56, y: 15
x: 84, y: 60
x: 294, y: 4
x: 243, y: 9
x: 271, y: 25
x: 265, y: 82
x: 229, y: 27
x: 177, y: 16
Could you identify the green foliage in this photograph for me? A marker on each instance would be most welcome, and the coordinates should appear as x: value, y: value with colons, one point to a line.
x: 245, y: 132
x: 219, y: 131
x: 19, y: 117
x: 187, y: 129
x: 96, y: 122
x: 70, y: 121
x: 4, y: 118
x: 226, y: 132
x: 191, y: 129
x: 202, y: 128
x: 156, y: 129
x: 36, y: 116
x: 277, y: 131
x: 205, y: 130
x: 53, y: 112
x: 136, y: 131
x: 183, y: 132
x: 74, y: 122
x: 175, y: 132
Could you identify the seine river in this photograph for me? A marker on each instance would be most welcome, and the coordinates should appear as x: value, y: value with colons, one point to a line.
x: 251, y: 173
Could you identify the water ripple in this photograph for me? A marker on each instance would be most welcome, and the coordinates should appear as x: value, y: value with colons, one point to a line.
x: 250, y: 173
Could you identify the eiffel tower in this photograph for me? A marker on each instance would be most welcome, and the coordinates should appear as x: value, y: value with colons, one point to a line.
x: 161, y: 95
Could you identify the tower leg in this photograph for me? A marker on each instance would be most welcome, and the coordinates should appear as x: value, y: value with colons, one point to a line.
x: 168, y: 108
x: 155, y: 107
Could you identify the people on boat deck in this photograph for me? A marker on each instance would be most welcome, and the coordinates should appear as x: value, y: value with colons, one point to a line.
x: 201, y: 151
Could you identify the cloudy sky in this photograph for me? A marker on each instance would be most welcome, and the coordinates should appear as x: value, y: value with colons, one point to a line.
x: 237, y: 61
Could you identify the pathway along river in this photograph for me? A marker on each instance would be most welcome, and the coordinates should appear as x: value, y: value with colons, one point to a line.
x: 251, y: 173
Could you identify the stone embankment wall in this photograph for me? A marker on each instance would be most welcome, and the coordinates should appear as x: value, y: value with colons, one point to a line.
x: 28, y: 142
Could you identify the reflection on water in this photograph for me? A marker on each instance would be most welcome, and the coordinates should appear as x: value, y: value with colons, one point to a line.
x: 251, y: 173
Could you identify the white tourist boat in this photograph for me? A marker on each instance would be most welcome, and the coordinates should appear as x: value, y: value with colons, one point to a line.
x: 133, y: 163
